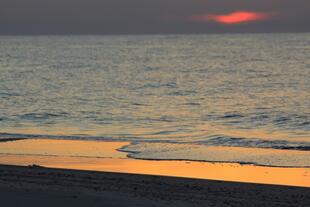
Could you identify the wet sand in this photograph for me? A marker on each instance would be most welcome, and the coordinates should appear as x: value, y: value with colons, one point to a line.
x: 104, y: 176
x: 37, y: 186
x: 103, y: 156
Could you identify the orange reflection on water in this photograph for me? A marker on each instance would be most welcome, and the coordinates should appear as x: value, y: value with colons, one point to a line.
x: 203, y: 130
x: 60, y: 147
x: 204, y: 170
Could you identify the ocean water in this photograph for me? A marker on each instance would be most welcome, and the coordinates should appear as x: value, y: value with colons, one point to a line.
x: 171, y: 96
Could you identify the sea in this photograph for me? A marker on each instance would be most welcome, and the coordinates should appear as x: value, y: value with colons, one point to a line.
x: 241, y: 98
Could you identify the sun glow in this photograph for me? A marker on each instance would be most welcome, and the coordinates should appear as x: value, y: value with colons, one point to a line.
x: 236, y: 17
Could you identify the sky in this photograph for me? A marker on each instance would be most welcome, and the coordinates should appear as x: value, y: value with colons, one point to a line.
x: 152, y: 16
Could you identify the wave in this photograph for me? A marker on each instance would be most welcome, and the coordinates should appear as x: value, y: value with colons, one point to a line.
x: 43, y: 115
x: 219, y: 140
x: 216, y: 148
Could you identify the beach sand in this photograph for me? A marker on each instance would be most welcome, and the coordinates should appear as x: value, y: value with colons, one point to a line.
x: 106, y: 177
x: 37, y: 186
x: 103, y: 156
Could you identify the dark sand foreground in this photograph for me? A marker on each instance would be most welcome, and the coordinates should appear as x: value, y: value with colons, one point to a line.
x: 38, y: 186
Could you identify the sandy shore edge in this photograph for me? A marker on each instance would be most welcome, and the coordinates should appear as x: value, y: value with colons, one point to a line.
x: 62, y: 187
x: 104, y: 156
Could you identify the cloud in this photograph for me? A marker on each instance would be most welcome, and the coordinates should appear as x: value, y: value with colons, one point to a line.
x: 236, y: 17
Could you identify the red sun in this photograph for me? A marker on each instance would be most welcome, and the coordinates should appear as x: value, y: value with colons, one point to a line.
x: 236, y: 17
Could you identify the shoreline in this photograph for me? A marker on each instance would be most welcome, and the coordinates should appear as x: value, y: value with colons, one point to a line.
x: 66, y: 187
x: 104, y: 157
x: 184, y: 169
x: 130, y: 154
x: 218, y: 162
